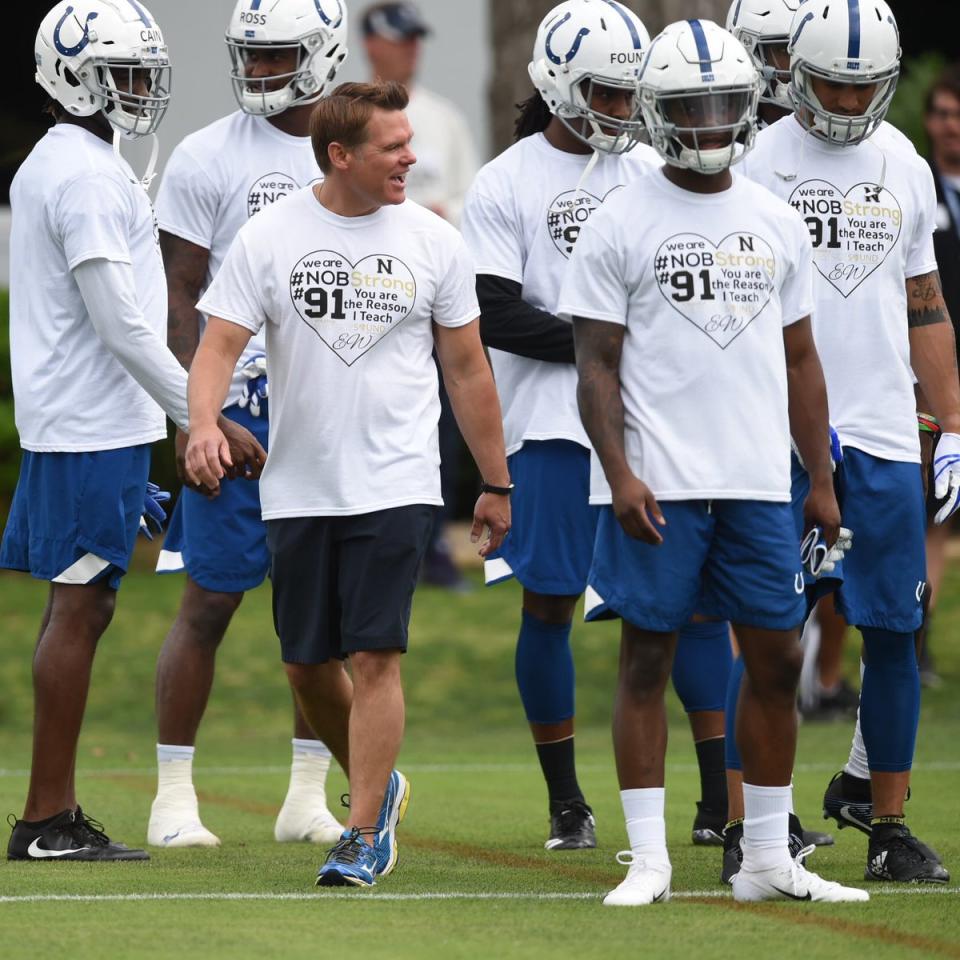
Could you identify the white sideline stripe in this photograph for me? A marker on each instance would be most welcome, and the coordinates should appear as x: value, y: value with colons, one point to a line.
x: 941, y: 766
x: 886, y: 891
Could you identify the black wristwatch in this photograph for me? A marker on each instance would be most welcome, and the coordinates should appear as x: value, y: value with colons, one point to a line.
x: 499, y: 491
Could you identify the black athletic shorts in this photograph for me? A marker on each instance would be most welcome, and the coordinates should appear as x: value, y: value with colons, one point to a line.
x: 344, y: 584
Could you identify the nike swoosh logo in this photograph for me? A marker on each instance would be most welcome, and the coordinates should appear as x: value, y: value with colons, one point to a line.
x: 171, y: 836
x: 792, y: 896
x: 845, y: 814
x: 38, y: 852
x: 660, y: 896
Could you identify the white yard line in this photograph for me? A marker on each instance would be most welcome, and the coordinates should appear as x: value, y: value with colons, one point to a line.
x: 885, y: 891
x: 944, y: 766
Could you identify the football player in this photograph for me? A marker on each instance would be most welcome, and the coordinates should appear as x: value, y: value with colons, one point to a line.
x: 283, y: 55
x: 869, y: 203
x: 689, y: 322
x: 92, y: 379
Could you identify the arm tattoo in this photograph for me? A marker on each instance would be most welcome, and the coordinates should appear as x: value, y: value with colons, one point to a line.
x: 925, y: 304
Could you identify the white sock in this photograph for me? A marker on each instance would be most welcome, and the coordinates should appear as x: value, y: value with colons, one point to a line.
x: 308, y: 769
x: 857, y: 765
x: 646, y: 827
x: 765, y: 826
x: 174, y: 767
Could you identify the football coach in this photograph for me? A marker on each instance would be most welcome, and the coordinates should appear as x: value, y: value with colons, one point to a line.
x: 355, y: 286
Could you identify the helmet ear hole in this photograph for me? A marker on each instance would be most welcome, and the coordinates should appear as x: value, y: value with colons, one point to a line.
x: 69, y: 76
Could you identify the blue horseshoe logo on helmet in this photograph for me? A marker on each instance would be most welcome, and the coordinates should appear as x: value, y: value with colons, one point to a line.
x: 323, y: 16
x: 84, y: 40
x: 574, y: 47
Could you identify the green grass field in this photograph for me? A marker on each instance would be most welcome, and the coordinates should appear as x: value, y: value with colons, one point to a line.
x: 473, y: 879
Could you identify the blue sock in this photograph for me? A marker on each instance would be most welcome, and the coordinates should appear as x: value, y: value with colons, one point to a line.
x: 701, y: 665
x: 733, y: 694
x: 889, y: 699
x: 544, y: 666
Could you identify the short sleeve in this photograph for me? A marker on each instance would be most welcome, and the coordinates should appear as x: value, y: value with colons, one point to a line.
x: 492, y: 235
x: 594, y: 285
x: 796, y: 291
x: 188, y: 202
x: 93, y: 215
x: 455, y: 303
x: 234, y: 294
x: 921, y: 258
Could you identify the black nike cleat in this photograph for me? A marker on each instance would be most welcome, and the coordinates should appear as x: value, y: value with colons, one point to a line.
x: 572, y: 826
x: 733, y: 853
x: 896, y: 854
x: 849, y: 801
x: 708, y: 827
x: 68, y: 836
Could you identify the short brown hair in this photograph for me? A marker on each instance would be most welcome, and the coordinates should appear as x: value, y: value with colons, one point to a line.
x: 342, y: 117
x: 947, y: 82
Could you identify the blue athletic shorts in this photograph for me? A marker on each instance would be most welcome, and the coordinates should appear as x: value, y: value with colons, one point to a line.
x: 885, y: 572
x: 221, y: 543
x: 736, y: 560
x: 550, y: 544
x: 75, y: 516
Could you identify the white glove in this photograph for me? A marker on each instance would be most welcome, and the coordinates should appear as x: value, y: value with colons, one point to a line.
x: 946, y: 474
x: 255, y: 388
x: 817, y: 557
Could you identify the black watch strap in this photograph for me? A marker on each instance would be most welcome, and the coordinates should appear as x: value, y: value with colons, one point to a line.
x: 499, y: 491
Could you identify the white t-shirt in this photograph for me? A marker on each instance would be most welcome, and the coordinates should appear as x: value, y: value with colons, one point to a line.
x: 74, y: 201
x: 445, y: 151
x: 521, y: 221
x: 867, y: 242
x: 222, y: 175
x: 347, y: 303
x: 704, y: 284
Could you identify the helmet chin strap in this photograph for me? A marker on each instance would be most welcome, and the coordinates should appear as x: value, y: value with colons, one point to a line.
x: 150, y: 171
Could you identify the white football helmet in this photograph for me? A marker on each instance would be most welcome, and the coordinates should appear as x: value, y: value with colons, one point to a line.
x: 759, y: 25
x: 580, y: 44
x: 855, y: 41
x: 315, y: 29
x: 92, y: 54
x: 698, y: 91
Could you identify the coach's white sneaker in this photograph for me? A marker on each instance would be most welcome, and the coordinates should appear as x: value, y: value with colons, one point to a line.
x: 647, y: 881
x: 307, y: 819
x: 792, y: 881
x: 175, y: 820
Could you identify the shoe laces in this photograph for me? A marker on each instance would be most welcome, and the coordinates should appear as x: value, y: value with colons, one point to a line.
x: 349, y: 849
x: 575, y: 812
x: 90, y: 830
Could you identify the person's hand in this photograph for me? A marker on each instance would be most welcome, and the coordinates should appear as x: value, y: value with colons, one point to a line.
x: 821, y: 509
x: 946, y: 475
x: 636, y: 508
x: 246, y: 456
x: 207, y: 457
x: 180, y: 450
x: 492, y: 511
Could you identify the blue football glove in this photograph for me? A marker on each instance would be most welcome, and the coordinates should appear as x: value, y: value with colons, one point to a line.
x: 255, y: 388
x: 152, y: 511
x: 817, y: 558
x: 946, y: 475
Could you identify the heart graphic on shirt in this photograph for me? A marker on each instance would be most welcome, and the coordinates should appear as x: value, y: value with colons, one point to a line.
x: 568, y: 213
x: 269, y: 189
x: 352, y: 306
x: 852, y: 232
x: 720, y: 288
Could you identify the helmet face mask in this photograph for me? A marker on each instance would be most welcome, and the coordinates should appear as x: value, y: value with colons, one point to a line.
x: 105, y: 57
x: 310, y: 34
x: 836, y: 45
x: 584, y: 49
x: 699, y: 91
x: 763, y: 27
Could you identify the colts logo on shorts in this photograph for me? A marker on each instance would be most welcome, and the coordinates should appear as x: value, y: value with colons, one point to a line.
x: 921, y: 590
x: 269, y: 189
x: 62, y: 48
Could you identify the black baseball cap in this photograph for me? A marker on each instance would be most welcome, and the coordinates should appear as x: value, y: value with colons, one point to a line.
x: 394, y: 21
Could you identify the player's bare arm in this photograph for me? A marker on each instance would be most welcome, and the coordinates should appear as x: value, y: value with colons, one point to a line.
x: 473, y: 396
x: 809, y: 426
x: 209, y: 455
x: 599, y: 345
x: 933, y: 352
x: 185, y: 265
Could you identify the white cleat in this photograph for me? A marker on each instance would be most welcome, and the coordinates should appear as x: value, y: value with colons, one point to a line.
x: 792, y: 881
x: 175, y: 822
x: 647, y: 881
x: 302, y: 823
